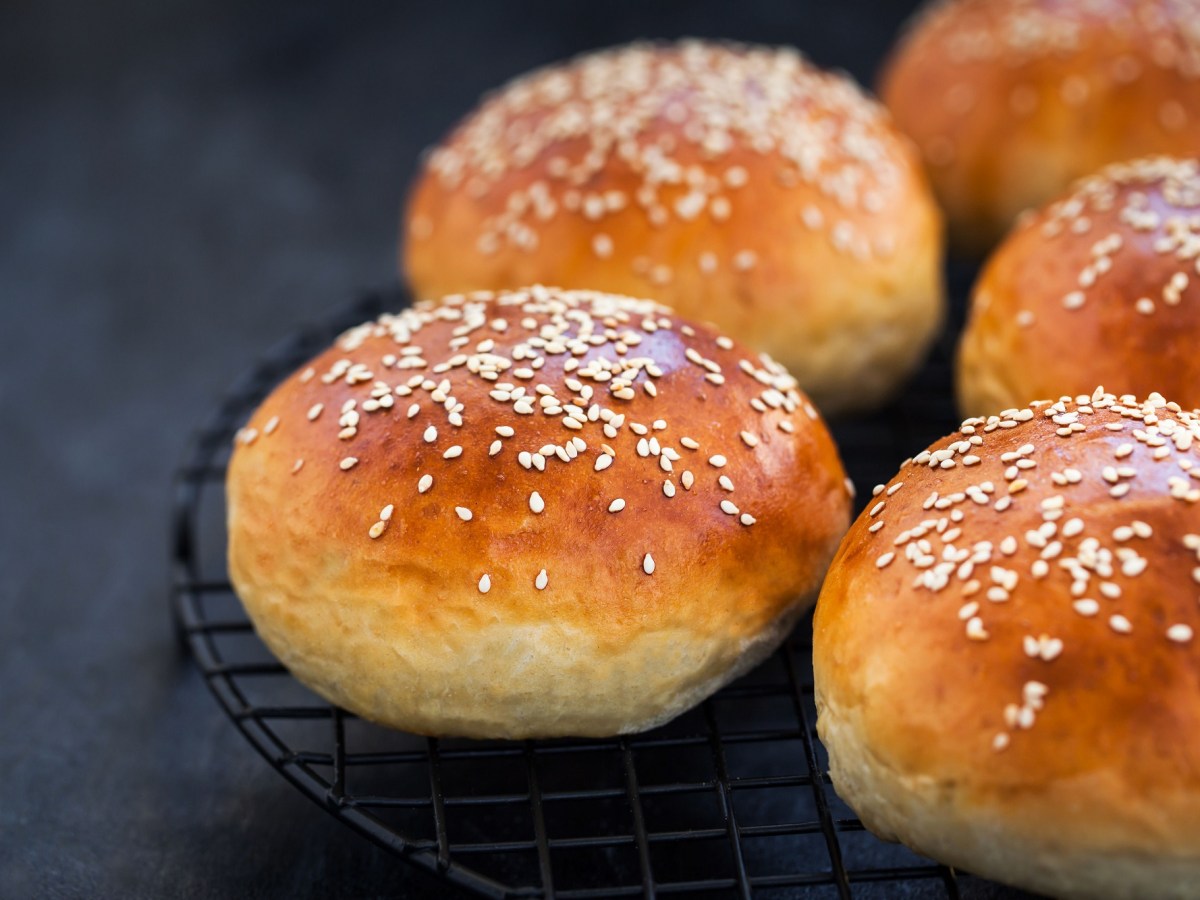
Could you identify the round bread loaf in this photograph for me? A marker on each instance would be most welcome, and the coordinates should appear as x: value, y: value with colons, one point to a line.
x: 1012, y: 100
x: 1007, y: 675
x: 1101, y: 287
x: 736, y: 184
x: 535, y: 514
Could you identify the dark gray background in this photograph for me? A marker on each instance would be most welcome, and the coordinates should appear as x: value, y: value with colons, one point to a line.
x: 181, y: 182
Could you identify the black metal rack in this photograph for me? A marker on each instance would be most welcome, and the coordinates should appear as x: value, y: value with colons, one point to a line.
x: 731, y: 799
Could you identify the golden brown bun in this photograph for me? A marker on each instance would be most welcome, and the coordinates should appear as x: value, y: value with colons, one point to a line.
x: 1012, y: 100
x: 436, y: 619
x: 746, y: 187
x: 1006, y: 674
x: 1101, y: 287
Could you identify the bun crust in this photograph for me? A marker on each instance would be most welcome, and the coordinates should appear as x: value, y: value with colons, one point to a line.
x: 535, y: 514
x: 736, y: 184
x: 1012, y: 100
x: 1101, y: 287
x: 1006, y: 672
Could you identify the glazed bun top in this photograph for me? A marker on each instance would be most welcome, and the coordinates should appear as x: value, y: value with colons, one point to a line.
x: 489, y: 443
x: 1101, y: 286
x: 1012, y: 100
x: 693, y: 137
x: 1053, y: 553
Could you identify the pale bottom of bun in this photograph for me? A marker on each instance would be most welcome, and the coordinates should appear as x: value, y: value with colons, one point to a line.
x: 934, y: 818
x: 533, y: 680
x: 984, y: 383
x: 861, y: 360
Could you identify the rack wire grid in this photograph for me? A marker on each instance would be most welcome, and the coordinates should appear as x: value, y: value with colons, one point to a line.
x: 732, y: 799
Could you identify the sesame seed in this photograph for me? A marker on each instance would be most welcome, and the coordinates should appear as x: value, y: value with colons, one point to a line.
x: 885, y: 559
x: 453, y: 452
x: 463, y: 513
x: 975, y: 629
x: 687, y: 478
x: 348, y: 463
x: 728, y: 508
x: 386, y: 513
x: 1119, y: 624
x: 602, y: 246
x: 745, y: 260
x: 485, y: 584
x: 648, y: 564
x: 748, y: 519
x: 616, y: 506
x: 718, y: 460
x: 541, y: 580
x: 1086, y: 607
x: 536, y: 503
x: 377, y: 529
x: 1181, y: 634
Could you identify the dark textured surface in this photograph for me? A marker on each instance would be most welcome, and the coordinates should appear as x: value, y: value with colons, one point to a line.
x: 182, y: 183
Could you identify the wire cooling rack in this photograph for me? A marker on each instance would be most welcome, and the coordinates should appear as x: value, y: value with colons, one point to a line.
x: 730, y: 800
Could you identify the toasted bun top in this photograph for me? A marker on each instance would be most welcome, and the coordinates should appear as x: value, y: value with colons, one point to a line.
x: 489, y: 444
x: 647, y: 137
x: 1103, y: 285
x: 1015, y: 616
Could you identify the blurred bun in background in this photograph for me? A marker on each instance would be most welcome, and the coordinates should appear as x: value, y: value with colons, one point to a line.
x: 1012, y: 100
x: 738, y: 184
x: 1100, y: 287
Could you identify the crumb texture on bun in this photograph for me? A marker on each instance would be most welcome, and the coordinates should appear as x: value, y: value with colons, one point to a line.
x: 531, y: 514
x: 737, y: 184
x: 1006, y: 665
x: 1012, y: 100
x: 1100, y: 287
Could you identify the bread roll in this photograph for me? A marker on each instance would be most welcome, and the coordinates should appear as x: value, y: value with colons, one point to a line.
x: 736, y: 184
x: 1007, y: 675
x: 535, y: 514
x: 1012, y: 100
x: 1101, y: 287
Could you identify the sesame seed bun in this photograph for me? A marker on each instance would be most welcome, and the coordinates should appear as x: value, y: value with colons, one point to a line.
x: 737, y: 184
x: 1007, y: 677
x: 1101, y: 287
x: 534, y: 514
x: 1012, y: 100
